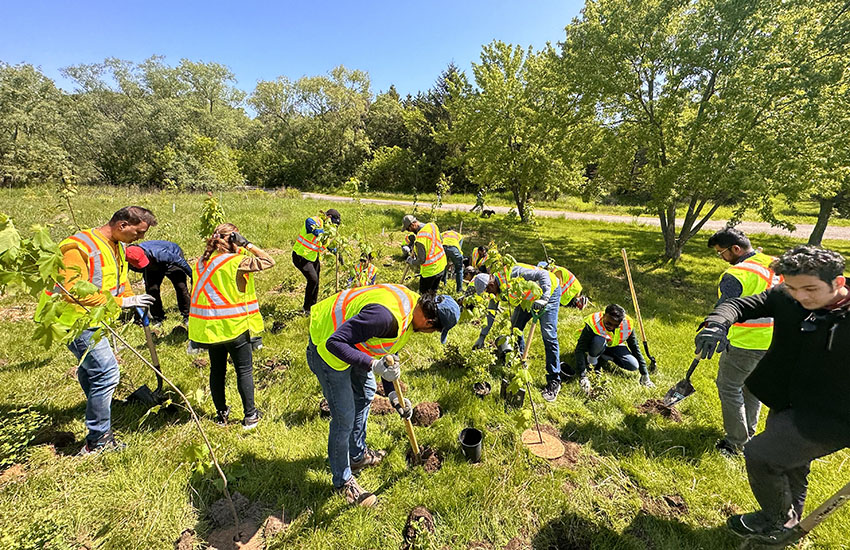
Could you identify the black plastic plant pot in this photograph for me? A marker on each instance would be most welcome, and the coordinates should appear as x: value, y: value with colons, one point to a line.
x: 470, y: 443
x: 514, y: 400
x: 481, y: 389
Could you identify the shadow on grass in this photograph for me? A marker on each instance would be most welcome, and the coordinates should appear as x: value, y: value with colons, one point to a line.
x: 573, y: 532
x: 30, y: 364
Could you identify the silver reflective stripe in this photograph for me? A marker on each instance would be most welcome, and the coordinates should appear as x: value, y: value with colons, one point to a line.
x: 94, y: 252
x: 204, y: 276
x: 759, y: 321
x: 231, y: 311
x: 348, y: 295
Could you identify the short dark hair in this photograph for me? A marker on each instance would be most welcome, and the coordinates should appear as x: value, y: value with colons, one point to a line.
x: 133, y: 215
x: 615, y: 312
x: 428, y: 301
x: 729, y: 237
x: 823, y: 263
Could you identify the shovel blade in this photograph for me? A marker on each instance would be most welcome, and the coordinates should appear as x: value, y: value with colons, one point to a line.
x: 145, y: 396
x: 678, y: 392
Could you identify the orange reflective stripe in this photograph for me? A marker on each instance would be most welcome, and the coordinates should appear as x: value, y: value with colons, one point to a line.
x: 752, y: 267
x: 597, y: 322
x: 310, y: 244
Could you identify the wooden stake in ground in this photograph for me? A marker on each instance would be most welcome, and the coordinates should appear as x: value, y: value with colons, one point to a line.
x: 652, y: 365
x: 408, y: 425
x: 404, y: 275
x: 337, y: 272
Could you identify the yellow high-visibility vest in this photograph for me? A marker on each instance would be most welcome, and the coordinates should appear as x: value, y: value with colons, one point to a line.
x: 435, y: 256
x: 329, y: 314
x: 570, y: 286
x: 612, y: 339
x: 219, y: 312
x: 452, y: 238
x: 478, y: 259
x: 307, y: 245
x: 755, y: 276
x: 106, y: 271
x: 363, y: 277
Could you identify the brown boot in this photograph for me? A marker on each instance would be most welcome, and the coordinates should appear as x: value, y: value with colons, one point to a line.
x: 355, y: 494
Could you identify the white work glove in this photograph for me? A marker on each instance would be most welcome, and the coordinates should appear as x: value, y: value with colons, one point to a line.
x: 584, y: 384
x: 479, y: 344
x: 645, y: 381
x: 539, y: 305
x: 387, y: 367
x: 141, y: 300
x: 411, y: 259
x: 406, y: 411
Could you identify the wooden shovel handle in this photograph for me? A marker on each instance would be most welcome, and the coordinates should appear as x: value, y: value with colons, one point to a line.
x: 408, y: 425
x: 528, y: 341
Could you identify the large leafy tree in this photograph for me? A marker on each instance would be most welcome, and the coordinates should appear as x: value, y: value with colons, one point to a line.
x: 521, y: 125
x: 687, y: 87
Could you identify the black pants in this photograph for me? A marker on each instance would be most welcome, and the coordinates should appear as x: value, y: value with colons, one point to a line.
x: 241, y: 352
x: 427, y: 284
x: 154, y: 273
x: 311, y: 271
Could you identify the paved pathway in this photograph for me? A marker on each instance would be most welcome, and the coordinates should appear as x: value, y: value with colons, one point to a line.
x: 802, y: 232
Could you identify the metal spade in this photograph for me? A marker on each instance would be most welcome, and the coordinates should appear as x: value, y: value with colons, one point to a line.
x: 683, y: 388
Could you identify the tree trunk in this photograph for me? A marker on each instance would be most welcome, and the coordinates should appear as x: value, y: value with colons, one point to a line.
x: 672, y: 248
x: 826, y: 206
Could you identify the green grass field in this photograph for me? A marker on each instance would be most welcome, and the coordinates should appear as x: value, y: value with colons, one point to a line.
x: 612, y: 497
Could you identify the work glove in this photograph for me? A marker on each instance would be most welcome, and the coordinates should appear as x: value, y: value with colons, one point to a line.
x: 479, y: 344
x: 140, y: 300
x: 645, y: 381
x: 539, y: 305
x: 584, y: 384
x: 406, y: 411
x: 237, y: 239
x: 710, y: 339
x: 387, y: 367
x: 411, y: 259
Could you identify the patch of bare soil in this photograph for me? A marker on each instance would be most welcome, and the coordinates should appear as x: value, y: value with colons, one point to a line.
x: 572, y: 450
x: 381, y: 405
x: 426, y: 413
x: 419, y: 521
x: 656, y: 406
x: 479, y: 545
x: 275, y: 364
x: 72, y: 372
x: 518, y: 543
x: 730, y: 509
x: 14, y: 314
x: 252, y: 533
x: 666, y: 506
x: 186, y: 541
x: 12, y: 474
x: 200, y: 363
x: 325, y: 409
x: 380, y: 390
x: 481, y: 389
x: 277, y: 251
x: 430, y: 459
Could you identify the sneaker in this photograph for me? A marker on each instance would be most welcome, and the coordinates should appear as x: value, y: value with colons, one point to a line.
x: 355, y: 494
x: 550, y: 392
x: 584, y: 384
x: 107, y: 442
x: 645, y: 381
x: 753, y: 525
x: 221, y: 417
x: 250, y: 422
x: 370, y: 458
x: 727, y: 448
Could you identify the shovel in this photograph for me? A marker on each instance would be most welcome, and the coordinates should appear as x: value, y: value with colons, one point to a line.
x: 408, y: 425
x: 683, y: 388
x: 144, y: 394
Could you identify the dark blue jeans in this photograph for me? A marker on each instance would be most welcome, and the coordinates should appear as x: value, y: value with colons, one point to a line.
x: 349, y: 393
x: 619, y: 355
x: 548, y: 330
x: 98, y: 375
x: 456, y: 258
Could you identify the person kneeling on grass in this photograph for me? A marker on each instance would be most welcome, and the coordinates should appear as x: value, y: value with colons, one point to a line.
x: 351, y: 335
x: 609, y: 336
x: 224, y: 312
x: 803, y: 378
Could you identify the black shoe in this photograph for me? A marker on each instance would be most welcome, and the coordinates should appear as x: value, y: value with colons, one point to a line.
x: 753, y: 526
x: 107, y: 442
x: 250, y: 422
x: 550, y: 392
x: 221, y: 417
x: 727, y: 449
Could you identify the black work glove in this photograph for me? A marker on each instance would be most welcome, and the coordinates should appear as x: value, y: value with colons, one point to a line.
x: 712, y: 338
x: 406, y: 411
x: 238, y: 239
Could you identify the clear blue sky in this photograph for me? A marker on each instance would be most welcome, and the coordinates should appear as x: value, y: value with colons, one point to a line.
x: 403, y: 43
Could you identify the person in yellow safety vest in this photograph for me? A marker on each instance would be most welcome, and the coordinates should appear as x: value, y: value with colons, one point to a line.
x: 429, y: 255
x: 570, y: 286
x: 306, y: 252
x: 352, y: 333
x: 749, y: 274
x: 224, y: 313
x: 97, y: 256
x: 545, y: 308
x: 609, y: 336
x: 365, y: 272
x: 452, y: 244
x: 478, y: 259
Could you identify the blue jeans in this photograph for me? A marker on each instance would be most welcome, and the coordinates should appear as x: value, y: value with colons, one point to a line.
x: 456, y: 258
x: 98, y: 374
x: 619, y: 355
x: 349, y: 394
x: 548, y: 330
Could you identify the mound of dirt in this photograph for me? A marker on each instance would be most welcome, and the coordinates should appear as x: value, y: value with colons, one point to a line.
x: 517, y: 543
x: 666, y: 506
x: 381, y: 405
x: 275, y: 364
x: 186, y: 540
x: 253, y: 531
x: 656, y: 406
x: 12, y: 474
x: 479, y: 545
x: 200, y: 363
x: 381, y: 389
x: 324, y: 409
x: 481, y: 389
x: 426, y: 413
x: 418, y: 521
x: 430, y: 459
